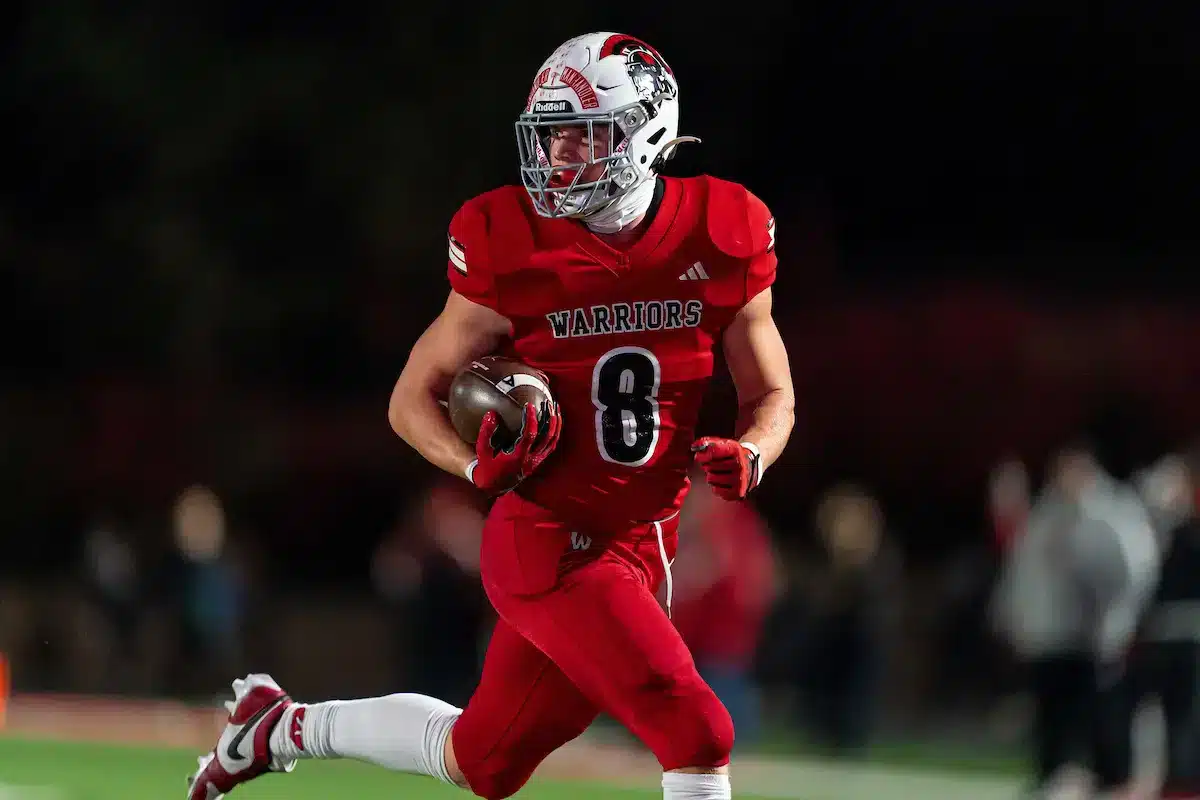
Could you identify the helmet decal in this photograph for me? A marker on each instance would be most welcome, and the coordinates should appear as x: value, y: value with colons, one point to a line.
x: 538, y: 83
x: 620, y: 44
x: 647, y: 70
x: 574, y: 81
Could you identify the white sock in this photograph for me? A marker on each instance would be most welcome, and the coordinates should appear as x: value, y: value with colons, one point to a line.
x: 696, y: 786
x: 402, y: 732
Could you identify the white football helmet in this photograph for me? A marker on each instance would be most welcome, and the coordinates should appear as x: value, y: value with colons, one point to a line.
x: 600, y: 79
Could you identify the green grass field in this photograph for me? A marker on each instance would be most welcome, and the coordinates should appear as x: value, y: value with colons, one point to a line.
x: 51, y: 770
x: 103, y: 772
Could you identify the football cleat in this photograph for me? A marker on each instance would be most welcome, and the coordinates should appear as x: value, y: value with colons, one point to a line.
x: 243, y: 752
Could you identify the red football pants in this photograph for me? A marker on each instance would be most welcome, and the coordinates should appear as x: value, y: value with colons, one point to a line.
x: 580, y: 631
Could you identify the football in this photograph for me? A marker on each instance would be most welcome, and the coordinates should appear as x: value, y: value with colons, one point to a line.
x: 494, y: 383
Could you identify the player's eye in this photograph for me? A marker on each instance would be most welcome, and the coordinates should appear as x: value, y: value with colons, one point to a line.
x: 573, y: 132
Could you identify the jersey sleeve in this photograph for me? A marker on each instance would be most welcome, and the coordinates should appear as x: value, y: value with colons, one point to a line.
x: 468, y: 267
x: 760, y: 267
x: 743, y: 228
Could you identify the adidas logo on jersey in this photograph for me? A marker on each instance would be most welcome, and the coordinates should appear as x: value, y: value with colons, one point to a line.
x: 650, y: 315
x: 695, y: 273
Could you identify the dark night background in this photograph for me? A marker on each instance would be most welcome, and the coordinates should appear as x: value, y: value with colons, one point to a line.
x: 222, y: 228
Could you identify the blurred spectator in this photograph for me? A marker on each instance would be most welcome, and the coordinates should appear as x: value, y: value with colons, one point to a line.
x: 1167, y: 660
x: 428, y: 567
x: 1008, y: 502
x: 846, y: 650
x: 206, y: 593
x: 1073, y: 588
x: 964, y: 659
x: 112, y: 581
x: 1166, y: 489
x: 725, y: 577
x: 1008, y: 506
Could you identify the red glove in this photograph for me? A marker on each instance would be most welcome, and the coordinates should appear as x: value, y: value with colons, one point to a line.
x: 732, y: 467
x: 496, y: 470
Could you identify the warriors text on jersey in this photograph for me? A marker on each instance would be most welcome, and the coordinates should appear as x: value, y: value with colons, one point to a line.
x: 626, y: 337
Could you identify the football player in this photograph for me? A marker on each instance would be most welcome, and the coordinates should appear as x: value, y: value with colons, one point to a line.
x: 618, y: 283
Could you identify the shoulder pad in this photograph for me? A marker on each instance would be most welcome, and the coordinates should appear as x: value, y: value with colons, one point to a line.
x: 501, y: 202
x: 739, y: 224
x: 488, y: 227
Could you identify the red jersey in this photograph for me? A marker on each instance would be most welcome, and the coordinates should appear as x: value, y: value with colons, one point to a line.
x: 626, y: 337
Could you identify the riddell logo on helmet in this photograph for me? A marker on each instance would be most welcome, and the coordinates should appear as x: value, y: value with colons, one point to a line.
x: 552, y: 106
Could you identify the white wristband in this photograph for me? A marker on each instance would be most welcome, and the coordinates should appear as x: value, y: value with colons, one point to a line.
x: 471, y: 471
x: 753, y: 450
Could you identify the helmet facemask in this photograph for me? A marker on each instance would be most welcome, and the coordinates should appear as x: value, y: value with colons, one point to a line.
x: 559, y: 191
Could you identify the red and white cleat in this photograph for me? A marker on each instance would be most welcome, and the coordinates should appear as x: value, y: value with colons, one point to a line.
x: 243, y: 752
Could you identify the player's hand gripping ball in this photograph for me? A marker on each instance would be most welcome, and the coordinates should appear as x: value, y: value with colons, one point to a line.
x: 731, y: 467
x: 505, y: 409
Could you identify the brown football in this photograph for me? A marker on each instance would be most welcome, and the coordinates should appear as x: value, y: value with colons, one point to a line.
x: 494, y: 383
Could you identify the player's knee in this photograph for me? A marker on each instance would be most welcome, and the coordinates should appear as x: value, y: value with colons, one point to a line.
x: 711, y: 741
x: 492, y: 772
x: 695, y: 731
x: 499, y: 784
x: 497, y: 756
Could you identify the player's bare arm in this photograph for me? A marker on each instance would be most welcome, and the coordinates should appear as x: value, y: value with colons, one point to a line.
x: 463, y: 331
x: 758, y: 363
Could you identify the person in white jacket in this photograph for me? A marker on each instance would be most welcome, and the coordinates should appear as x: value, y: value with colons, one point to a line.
x: 1069, y: 601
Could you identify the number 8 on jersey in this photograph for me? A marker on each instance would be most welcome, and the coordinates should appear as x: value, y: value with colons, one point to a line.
x: 625, y: 387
